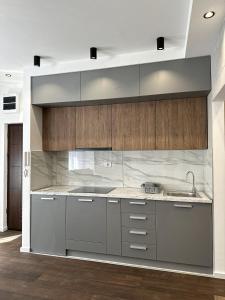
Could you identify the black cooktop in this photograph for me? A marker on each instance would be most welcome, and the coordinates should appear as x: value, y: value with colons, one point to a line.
x: 92, y: 190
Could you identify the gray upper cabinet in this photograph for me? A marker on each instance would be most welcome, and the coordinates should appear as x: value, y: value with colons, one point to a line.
x: 111, y: 83
x: 176, y: 76
x: 48, y: 224
x: 184, y: 233
x: 55, y: 89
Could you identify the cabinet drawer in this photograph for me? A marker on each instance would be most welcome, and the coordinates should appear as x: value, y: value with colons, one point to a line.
x: 138, y: 220
x: 139, y: 251
x: 134, y: 235
x: 138, y: 206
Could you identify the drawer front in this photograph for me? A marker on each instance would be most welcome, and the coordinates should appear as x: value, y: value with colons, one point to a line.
x: 138, y: 220
x: 138, y: 206
x: 134, y: 235
x: 139, y: 251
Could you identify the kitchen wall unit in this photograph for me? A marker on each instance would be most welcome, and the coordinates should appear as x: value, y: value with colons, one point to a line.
x: 93, y: 126
x: 59, y: 128
x: 55, y: 89
x: 178, y: 78
x: 181, y: 124
x: 164, y: 231
x: 122, y: 82
x: 48, y: 224
x: 184, y: 233
x: 133, y: 126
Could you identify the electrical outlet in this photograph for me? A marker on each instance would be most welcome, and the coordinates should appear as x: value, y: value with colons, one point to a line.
x: 108, y: 164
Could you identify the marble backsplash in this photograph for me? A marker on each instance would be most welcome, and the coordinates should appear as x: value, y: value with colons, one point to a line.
x: 122, y: 168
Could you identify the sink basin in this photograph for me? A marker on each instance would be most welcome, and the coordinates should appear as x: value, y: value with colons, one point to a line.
x: 182, y: 194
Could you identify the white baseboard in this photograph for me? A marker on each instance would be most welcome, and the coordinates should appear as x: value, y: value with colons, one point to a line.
x: 219, y: 275
x: 3, y: 229
x: 25, y: 249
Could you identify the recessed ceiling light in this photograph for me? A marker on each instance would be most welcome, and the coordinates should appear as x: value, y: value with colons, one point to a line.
x: 209, y: 14
x: 8, y: 75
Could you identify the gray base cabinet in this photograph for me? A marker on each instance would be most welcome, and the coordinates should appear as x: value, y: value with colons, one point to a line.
x: 48, y: 224
x: 184, y: 233
x: 113, y: 227
x: 86, y: 224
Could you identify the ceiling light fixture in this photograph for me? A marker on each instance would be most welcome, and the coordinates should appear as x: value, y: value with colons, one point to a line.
x: 37, y: 61
x: 209, y: 14
x: 8, y: 75
x: 93, y: 53
x: 160, y: 43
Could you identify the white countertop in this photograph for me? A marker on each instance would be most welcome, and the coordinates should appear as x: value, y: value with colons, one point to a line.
x: 134, y: 193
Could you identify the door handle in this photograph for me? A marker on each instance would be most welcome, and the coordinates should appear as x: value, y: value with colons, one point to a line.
x: 85, y: 200
x: 138, y: 247
x: 143, y: 218
x: 48, y: 198
x: 138, y: 232
x: 113, y: 201
x: 137, y: 202
x: 183, y: 205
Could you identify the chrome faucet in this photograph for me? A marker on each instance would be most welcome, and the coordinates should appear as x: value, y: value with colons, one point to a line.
x: 194, y: 190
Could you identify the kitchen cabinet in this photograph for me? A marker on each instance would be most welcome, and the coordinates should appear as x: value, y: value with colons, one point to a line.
x: 121, y: 82
x: 184, y: 233
x: 113, y: 227
x: 133, y: 126
x: 181, y: 124
x: 86, y: 224
x: 93, y: 126
x: 59, y: 129
x: 189, y: 75
x: 48, y: 224
x: 55, y: 89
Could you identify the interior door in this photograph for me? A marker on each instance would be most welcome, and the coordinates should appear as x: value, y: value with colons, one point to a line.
x: 14, y: 199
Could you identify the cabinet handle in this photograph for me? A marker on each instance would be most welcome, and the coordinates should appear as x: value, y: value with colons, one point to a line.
x: 138, y: 232
x: 48, y: 198
x: 183, y: 205
x: 137, y: 203
x: 85, y: 200
x: 138, y: 218
x: 113, y: 201
x: 138, y: 247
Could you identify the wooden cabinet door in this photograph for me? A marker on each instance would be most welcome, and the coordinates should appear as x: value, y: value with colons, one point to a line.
x: 59, y: 129
x: 93, y: 126
x: 181, y: 124
x: 133, y: 126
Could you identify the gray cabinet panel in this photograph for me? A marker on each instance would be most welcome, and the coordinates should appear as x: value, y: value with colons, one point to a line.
x: 48, y: 224
x: 138, y: 220
x: 139, y: 250
x: 110, y: 83
x: 85, y: 246
x: 138, y: 206
x: 86, y: 221
x: 184, y: 233
x: 58, y: 88
x: 177, y: 76
x: 113, y: 227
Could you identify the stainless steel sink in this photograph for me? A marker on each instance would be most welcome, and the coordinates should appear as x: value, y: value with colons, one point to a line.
x: 182, y: 194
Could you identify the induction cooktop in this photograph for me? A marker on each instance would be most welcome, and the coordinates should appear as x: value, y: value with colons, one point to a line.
x: 92, y: 190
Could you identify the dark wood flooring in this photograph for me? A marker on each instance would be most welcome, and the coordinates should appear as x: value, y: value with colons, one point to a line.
x: 28, y: 276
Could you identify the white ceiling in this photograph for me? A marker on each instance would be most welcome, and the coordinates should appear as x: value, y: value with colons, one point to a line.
x: 64, y: 30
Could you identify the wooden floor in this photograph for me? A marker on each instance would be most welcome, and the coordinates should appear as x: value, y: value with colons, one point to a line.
x: 26, y: 276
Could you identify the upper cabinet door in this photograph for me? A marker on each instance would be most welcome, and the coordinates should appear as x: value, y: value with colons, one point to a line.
x: 181, y: 124
x: 59, y: 129
x: 133, y: 126
x: 93, y: 126
x: 111, y: 83
x: 176, y: 77
x: 59, y: 88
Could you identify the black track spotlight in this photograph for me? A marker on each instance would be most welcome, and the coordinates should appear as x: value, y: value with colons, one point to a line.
x: 160, y: 43
x: 93, y: 53
x: 37, y: 61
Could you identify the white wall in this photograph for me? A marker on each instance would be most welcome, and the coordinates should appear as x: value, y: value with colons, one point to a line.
x: 216, y: 102
x: 5, y: 119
